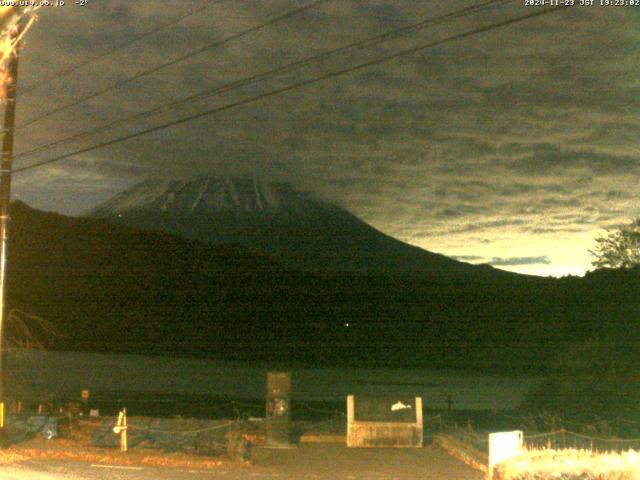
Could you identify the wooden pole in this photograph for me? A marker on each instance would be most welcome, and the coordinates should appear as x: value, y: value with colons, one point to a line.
x: 123, y: 445
x: 6, y: 165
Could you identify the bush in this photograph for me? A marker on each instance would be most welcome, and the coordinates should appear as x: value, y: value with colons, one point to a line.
x: 593, y: 379
x: 570, y: 465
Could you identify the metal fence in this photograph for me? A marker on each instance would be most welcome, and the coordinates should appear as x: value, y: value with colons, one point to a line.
x: 551, y: 431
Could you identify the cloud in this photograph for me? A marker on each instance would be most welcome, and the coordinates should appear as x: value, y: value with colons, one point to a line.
x: 467, y: 258
x: 504, y: 261
x: 528, y: 131
x: 512, y: 261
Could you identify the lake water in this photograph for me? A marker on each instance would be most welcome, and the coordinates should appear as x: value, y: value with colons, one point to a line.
x: 66, y: 374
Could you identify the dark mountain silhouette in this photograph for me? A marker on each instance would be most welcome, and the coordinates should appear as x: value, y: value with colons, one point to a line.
x: 113, y: 288
x: 297, y: 229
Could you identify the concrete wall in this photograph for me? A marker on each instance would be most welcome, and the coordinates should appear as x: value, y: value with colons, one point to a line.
x: 365, y: 433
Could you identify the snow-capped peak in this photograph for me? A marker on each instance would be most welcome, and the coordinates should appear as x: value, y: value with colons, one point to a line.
x: 208, y: 192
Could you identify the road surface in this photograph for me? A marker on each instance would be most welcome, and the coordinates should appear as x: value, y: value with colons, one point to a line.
x: 308, y: 462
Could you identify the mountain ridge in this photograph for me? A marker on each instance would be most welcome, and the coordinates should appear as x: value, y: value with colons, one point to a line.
x: 298, y: 229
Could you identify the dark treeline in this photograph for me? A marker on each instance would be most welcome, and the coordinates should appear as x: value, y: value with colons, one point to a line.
x: 112, y: 288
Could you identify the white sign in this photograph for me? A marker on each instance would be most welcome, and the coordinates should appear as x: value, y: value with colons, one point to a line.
x: 399, y: 406
x: 502, y: 446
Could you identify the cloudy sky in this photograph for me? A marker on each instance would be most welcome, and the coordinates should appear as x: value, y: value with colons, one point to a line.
x: 516, y: 146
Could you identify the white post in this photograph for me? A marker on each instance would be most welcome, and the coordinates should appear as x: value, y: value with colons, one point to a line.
x: 419, y: 411
x: 121, y: 429
x: 350, y: 419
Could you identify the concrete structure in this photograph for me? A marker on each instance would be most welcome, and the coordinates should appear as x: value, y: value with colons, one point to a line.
x: 384, y: 422
x: 278, y: 409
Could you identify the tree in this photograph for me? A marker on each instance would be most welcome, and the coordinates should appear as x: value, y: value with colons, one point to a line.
x: 593, y: 377
x: 618, y: 249
x: 26, y: 331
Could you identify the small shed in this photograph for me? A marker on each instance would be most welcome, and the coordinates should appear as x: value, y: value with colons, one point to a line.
x: 384, y: 422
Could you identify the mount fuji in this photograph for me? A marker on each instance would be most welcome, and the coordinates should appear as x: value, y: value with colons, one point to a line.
x: 295, y: 228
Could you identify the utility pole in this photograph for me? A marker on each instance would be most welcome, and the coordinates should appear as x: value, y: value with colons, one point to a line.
x: 6, y: 164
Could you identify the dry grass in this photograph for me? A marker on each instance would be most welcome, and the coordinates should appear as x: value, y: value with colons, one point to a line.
x: 103, y: 456
x: 70, y: 450
x: 77, y: 447
x: 570, y: 464
x: 8, y: 457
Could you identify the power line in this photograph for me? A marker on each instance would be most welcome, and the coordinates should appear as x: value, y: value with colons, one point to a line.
x: 304, y: 83
x: 162, y: 66
x: 66, y: 72
x: 270, y: 73
x: 246, y: 81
